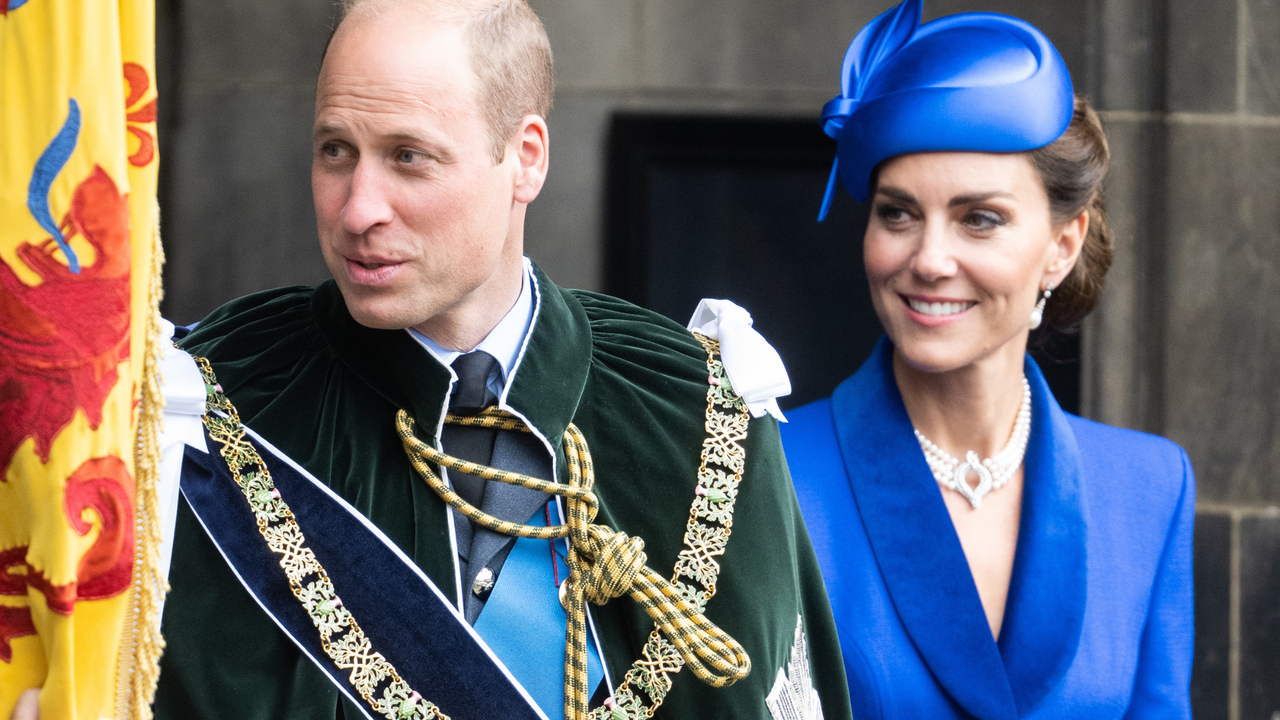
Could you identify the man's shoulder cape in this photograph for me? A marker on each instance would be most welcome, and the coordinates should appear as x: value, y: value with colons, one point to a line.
x: 325, y: 390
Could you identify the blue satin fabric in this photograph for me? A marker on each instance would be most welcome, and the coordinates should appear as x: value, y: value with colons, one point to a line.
x: 972, y: 82
x: 1099, y: 619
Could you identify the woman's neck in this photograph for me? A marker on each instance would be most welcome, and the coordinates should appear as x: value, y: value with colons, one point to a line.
x: 970, y: 408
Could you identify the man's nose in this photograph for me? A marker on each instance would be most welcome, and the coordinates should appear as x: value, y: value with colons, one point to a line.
x: 935, y: 257
x: 367, y: 203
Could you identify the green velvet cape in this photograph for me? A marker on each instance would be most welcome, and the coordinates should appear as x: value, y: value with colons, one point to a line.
x: 325, y: 390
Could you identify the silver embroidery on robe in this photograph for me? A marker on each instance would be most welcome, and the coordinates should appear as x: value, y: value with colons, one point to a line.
x: 793, y: 696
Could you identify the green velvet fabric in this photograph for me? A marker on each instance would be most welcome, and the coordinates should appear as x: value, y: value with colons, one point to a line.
x: 325, y: 390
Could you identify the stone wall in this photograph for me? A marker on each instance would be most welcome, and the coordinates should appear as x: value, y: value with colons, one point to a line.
x: 1185, y: 344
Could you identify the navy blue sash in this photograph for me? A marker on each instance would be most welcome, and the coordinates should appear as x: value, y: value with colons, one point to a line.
x: 404, y: 615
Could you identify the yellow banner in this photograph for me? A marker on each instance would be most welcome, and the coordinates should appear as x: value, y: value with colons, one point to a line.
x: 79, y: 266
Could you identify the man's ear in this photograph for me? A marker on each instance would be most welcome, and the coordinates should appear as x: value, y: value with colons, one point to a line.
x: 530, y: 144
x: 1066, y: 248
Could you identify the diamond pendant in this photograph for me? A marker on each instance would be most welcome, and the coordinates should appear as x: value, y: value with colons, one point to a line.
x: 961, y: 479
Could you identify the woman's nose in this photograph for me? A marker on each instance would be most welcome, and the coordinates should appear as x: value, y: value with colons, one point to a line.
x: 934, y: 259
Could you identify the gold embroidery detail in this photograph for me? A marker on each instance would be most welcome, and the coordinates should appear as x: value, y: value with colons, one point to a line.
x: 372, y: 676
x: 648, y: 681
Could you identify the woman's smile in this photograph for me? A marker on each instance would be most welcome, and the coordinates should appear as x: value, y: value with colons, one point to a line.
x: 932, y: 311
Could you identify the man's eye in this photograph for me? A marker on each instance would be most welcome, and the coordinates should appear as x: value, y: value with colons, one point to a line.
x: 408, y: 156
x: 331, y: 150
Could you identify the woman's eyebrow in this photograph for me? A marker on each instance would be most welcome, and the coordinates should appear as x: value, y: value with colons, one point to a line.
x: 896, y: 193
x: 978, y: 197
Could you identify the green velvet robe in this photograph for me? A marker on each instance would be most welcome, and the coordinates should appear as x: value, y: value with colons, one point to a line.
x: 325, y: 390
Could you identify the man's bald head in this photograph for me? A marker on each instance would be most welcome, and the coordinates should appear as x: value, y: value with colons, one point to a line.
x: 510, y: 55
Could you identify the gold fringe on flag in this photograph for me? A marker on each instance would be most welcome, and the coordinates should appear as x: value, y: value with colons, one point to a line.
x: 141, y: 644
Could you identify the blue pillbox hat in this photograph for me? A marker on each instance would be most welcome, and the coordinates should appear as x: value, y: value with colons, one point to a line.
x: 973, y: 82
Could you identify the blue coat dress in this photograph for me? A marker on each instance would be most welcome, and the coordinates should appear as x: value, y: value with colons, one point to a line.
x: 1098, y: 622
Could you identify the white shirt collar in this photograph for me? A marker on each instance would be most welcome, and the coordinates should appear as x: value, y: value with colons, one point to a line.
x: 503, y: 342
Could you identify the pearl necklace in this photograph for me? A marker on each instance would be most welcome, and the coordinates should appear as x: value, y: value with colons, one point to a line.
x: 993, y: 472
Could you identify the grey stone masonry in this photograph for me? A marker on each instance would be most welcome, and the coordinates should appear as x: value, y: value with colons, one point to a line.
x: 1187, y: 340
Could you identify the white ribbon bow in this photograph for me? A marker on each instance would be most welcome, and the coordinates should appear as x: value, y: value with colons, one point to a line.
x: 184, y: 395
x: 753, y: 366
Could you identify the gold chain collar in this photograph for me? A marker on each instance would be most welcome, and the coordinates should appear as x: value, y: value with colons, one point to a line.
x: 372, y: 675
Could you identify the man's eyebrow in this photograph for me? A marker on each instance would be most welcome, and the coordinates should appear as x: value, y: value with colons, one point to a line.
x: 970, y: 199
x: 325, y: 129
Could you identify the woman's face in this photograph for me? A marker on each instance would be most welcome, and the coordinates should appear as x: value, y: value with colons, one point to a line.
x: 957, y: 251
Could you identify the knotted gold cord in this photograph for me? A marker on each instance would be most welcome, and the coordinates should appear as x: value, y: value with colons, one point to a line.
x: 603, y: 563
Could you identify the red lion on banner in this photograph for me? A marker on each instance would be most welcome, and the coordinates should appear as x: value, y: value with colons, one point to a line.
x: 61, y: 340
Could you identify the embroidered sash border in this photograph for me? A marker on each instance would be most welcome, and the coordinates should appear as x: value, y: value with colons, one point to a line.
x: 706, y: 535
x: 373, y: 677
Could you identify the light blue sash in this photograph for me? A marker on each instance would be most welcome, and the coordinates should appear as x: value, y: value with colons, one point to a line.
x: 524, y: 624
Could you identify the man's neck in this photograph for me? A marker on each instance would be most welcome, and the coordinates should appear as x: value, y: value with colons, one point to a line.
x: 505, y: 340
x: 463, y: 327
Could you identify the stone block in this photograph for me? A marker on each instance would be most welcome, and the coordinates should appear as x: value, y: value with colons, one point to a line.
x: 1262, y: 54
x: 240, y: 216
x: 596, y: 43
x: 240, y: 41
x: 731, y: 44
x: 1259, y: 618
x: 1112, y: 349
x: 563, y: 232
x: 1212, y: 562
x: 1222, y: 356
x: 1130, y: 39
x: 1201, y: 56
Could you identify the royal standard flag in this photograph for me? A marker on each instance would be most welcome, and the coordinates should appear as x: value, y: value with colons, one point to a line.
x: 79, y: 285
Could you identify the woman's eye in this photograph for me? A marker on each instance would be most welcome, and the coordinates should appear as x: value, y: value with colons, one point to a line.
x: 892, y: 214
x: 983, y: 220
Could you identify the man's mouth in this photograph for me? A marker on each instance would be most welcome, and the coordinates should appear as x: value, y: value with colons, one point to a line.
x: 373, y: 271
x: 940, y: 309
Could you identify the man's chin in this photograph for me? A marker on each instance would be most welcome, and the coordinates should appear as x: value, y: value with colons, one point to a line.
x: 380, y: 311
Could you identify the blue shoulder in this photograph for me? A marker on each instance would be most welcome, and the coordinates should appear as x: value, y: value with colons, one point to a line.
x: 809, y: 439
x: 1143, y: 460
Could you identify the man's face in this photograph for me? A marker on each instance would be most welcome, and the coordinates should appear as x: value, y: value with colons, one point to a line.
x: 415, y: 217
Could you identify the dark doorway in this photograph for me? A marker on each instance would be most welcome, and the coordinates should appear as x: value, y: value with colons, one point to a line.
x: 713, y: 206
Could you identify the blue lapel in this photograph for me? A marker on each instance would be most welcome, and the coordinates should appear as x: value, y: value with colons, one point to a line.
x: 914, y: 542
x: 924, y: 566
x: 1045, y: 611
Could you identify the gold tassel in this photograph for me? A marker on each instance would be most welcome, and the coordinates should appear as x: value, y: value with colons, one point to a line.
x: 138, y: 665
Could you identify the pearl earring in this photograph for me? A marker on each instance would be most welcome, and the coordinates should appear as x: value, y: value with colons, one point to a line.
x: 1037, y: 315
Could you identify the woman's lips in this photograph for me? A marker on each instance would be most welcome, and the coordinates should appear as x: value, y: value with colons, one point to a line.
x: 933, y: 312
x: 373, y: 272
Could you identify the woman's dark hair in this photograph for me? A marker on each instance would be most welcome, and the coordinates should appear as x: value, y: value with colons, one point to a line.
x: 1072, y: 169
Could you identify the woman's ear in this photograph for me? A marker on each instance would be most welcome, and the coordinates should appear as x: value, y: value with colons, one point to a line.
x: 1066, y: 247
